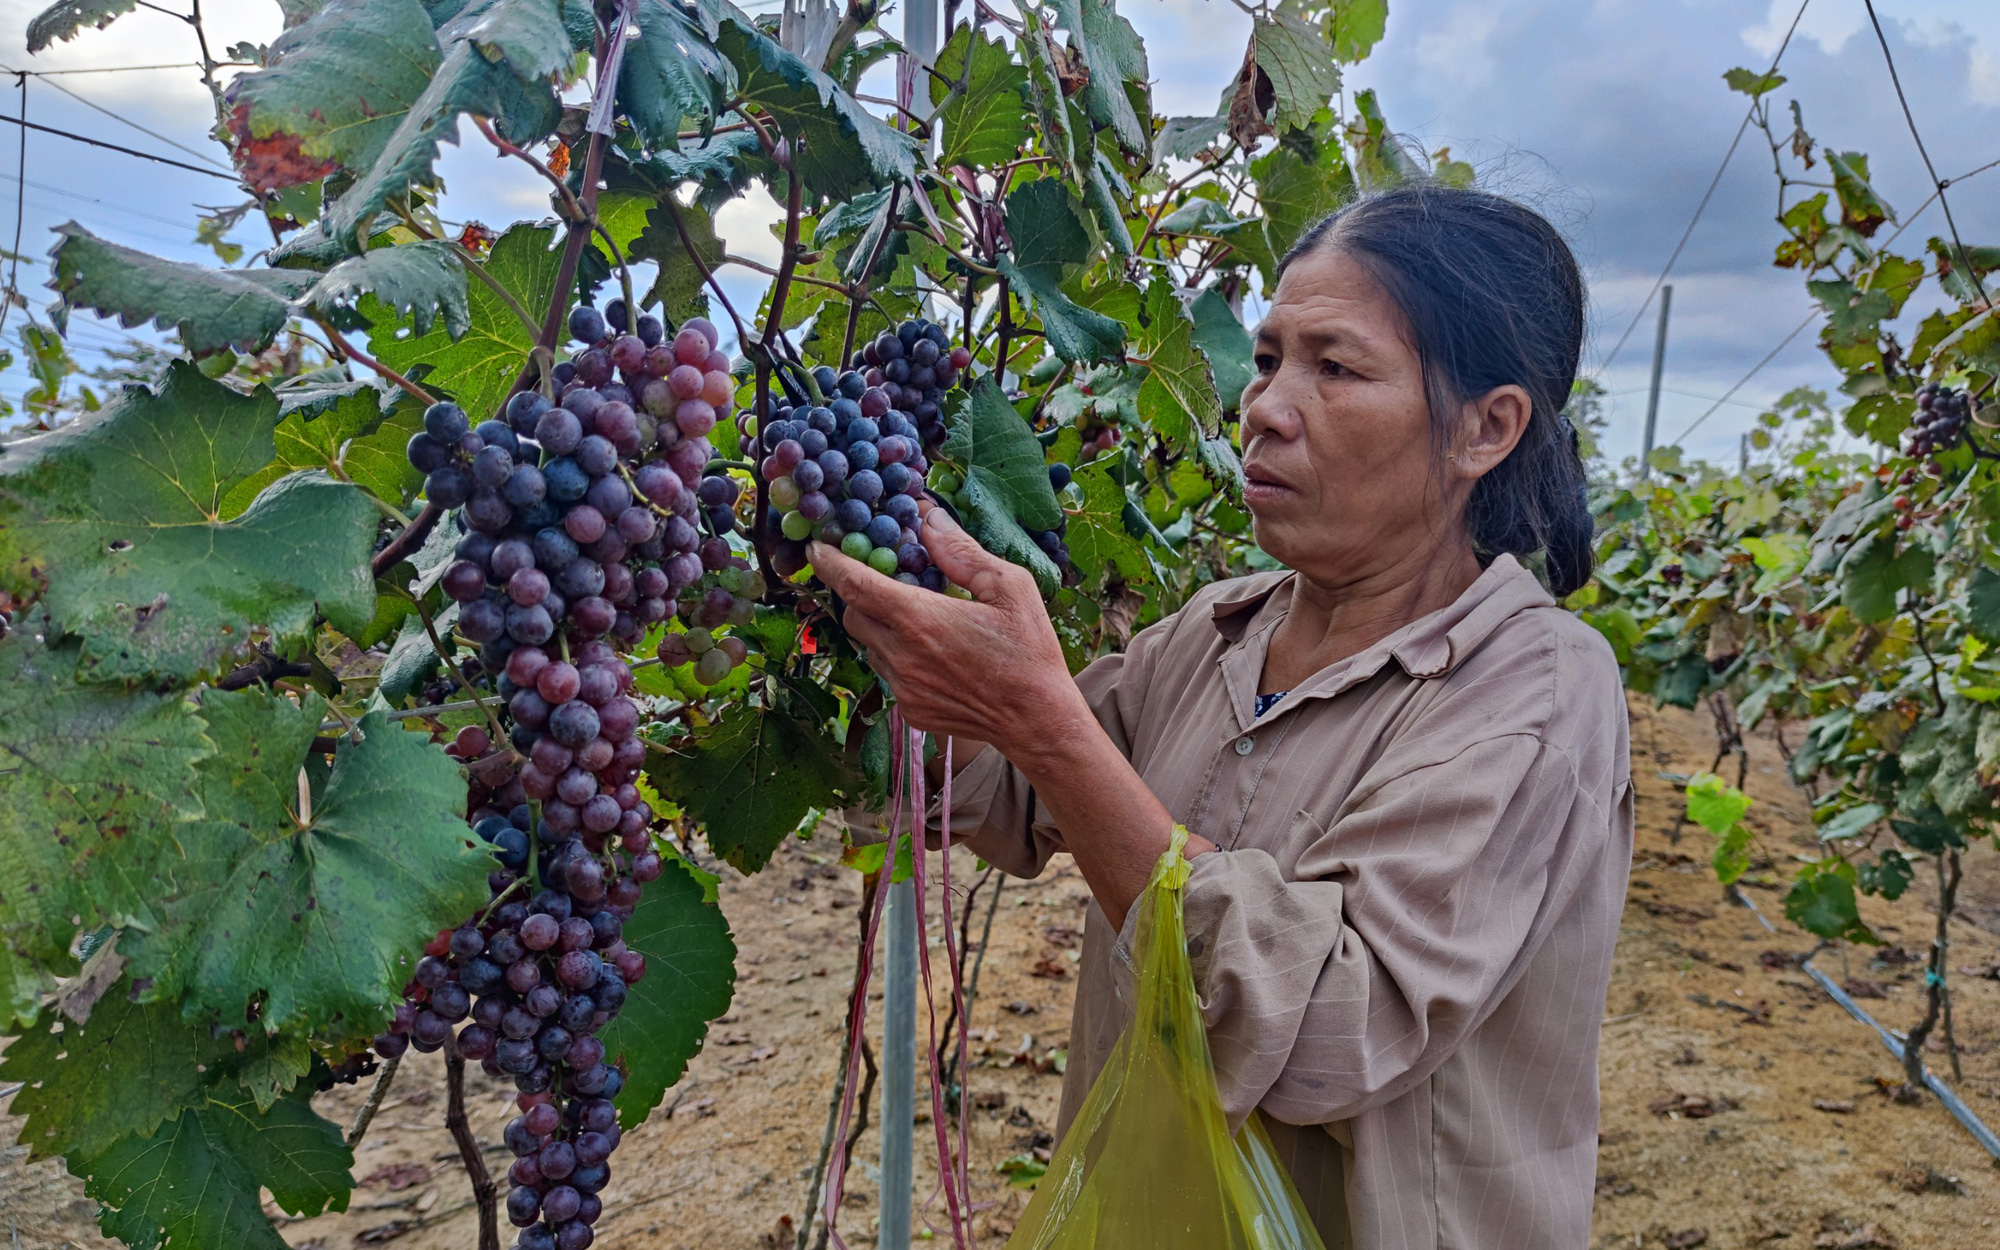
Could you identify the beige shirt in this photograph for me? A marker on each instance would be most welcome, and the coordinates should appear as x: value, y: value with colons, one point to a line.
x: 1404, y: 940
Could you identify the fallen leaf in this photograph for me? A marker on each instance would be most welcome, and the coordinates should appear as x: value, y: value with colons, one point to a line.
x: 1022, y: 1008
x: 1862, y: 987
x: 1686, y: 1239
x: 1867, y: 1237
x: 384, y: 1232
x: 1061, y: 935
x: 1834, y: 1106
x: 1693, y: 1106
x: 1049, y: 969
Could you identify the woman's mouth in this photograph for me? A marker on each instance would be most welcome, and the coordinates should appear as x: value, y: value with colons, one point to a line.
x: 1260, y: 487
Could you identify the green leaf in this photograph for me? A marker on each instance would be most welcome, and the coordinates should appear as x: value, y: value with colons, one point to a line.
x: 127, y: 1069
x: 751, y: 779
x: 1178, y: 399
x: 211, y: 309
x: 1109, y: 532
x: 1821, y: 901
x: 678, y: 284
x: 1049, y: 238
x: 66, y: 19
x: 1116, y: 58
x: 985, y: 122
x: 1181, y: 137
x: 465, y: 82
x: 1861, y: 208
x: 1355, y: 27
x: 1889, y: 875
x: 479, y: 368
x: 1714, y: 805
x: 319, y: 923
x: 1982, y: 604
x: 346, y: 433
x: 1869, y: 579
x: 671, y: 73
x: 338, y: 86
x: 92, y: 782
x: 1752, y: 83
x: 690, y: 973
x: 194, y: 1184
x: 1300, y: 66
x: 528, y: 35
x: 1006, y: 479
x: 1222, y: 339
x: 119, y: 511
x: 1732, y: 854
x: 1852, y: 823
x: 418, y: 280
x: 846, y: 149
x: 1297, y: 184
x: 273, y: 1067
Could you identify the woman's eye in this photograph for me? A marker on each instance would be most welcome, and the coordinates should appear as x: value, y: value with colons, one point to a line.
x: 1266, y: 363
x: 1332, y: 368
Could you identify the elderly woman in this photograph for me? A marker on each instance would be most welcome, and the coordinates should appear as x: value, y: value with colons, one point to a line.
x: 1403, y: 764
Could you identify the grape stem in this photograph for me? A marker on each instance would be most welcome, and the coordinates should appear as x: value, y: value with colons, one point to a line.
x: 348, y: 350
x: 411, y: 538
x: 859, y: 291
x: 443, y: 653
x: 377, y: 1094
x: 483, y: 1188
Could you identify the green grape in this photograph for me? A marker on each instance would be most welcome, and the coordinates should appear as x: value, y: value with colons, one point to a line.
x: 713, y: 666
x: 784, y: 494
x: 795, y: 526
x: 699, y: 640
x: 733, y: 579
x: 883, y: 561
x: 943, y: 480
x: 856, y: 546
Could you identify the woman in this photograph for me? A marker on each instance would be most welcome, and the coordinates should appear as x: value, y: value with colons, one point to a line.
x: 1404, y: 766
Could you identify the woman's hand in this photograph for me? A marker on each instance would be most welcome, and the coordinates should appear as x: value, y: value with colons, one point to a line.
x: 989, y: 670
x: 992, y: 670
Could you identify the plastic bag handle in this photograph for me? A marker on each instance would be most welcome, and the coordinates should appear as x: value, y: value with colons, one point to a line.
x: 1173, y: 868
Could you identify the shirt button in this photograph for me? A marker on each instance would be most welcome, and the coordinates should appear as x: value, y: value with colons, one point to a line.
x: 1245, y: 745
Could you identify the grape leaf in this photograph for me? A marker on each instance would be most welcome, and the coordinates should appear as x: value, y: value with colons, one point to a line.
x: 1713, y: 804
x: 1298, y: 63
x: 1356, y: 27
x: 678, y: 285
x: 1821, y: 901
x: 316, y: 440
x: 528, y: 35
x: 690, y: 971
x: 465, y: 82
x: 1048, y: 239
x: 1006, y: 480
x: 1110, y: 533
x: 420, y: 280
x: 1297, y: 184
x: 119, y: 513
x: 985, y: 121
x: 318, y: 921
x: 66, y: 19
x: 194, y: 1183
x: 128, y: 1069
x: 211, y: 309
x: 339, y: 85
x: 479, y: 368
x: 92, y: 781
x: 1181, y: 137
x: 751, y: 779
x: 1116, y: 58
x: 845, y: 148
x: 1220, y: 337
x: 671, y: 72
x: 1178, y: 398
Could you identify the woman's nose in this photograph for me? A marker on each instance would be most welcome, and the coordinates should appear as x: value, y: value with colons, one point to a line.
x: 1272, y: 407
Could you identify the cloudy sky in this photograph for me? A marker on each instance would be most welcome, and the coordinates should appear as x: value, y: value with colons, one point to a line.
x: 1608, y: 115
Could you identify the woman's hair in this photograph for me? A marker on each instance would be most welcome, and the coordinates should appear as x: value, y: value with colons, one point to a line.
x: 1492, y: 295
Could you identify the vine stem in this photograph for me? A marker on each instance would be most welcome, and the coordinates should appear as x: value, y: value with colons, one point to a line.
x: 781, y: 287
x: 484, y: 1191
x: 352, y: 352
x: 574, y: 212
x: 411, y: 538
x: 859, y: 291
x: 376, y: 1095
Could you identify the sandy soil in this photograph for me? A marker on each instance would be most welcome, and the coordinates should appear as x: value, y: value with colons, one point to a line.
x: 1742, y: 1108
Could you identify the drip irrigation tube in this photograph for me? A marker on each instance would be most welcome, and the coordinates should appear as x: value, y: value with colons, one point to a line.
x: 1952, y: 1102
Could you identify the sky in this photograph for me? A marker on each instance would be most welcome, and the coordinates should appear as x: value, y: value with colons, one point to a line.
x: 1610, y: 116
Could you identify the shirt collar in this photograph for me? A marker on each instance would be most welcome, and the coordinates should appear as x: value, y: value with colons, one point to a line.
x: 1430, y: 646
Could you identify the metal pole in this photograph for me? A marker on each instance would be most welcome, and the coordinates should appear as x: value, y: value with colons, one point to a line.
x: 1659, y: 367
x: 899, y: 1063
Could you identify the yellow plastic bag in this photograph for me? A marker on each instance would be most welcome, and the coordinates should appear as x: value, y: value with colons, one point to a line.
x: 1149, y: 1163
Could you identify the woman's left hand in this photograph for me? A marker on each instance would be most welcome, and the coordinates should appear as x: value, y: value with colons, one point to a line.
x: 988, y: 670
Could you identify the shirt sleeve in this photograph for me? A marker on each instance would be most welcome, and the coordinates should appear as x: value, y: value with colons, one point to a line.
x: 1411, y: 916
x: 994, y: 811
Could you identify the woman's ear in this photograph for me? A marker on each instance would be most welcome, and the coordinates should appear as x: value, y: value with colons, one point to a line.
x: 1491, y: 426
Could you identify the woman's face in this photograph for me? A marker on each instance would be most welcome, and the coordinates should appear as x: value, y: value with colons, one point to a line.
x: 1339, y: 464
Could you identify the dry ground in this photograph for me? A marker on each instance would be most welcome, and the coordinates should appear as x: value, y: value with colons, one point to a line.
x: 1742, y: 1108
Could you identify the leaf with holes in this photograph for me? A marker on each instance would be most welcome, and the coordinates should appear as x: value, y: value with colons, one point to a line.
x: 478, y: 368
x: 119, y: 514
x: 315, y: 914
x: 212, y: 310
x: 1116, y: 58
x: 1299, y: 65
x: 338, y: 86
x: 66, y: 19
x: 690, y: 973
x: 194, y: 1183
x: 751, y: 779
x: 93, y: 784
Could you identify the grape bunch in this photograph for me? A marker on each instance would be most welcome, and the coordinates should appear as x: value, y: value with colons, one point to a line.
x: 1943, y: 413
x: 724, y: 598
x: 585, y: 518
x: 849, y: 472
